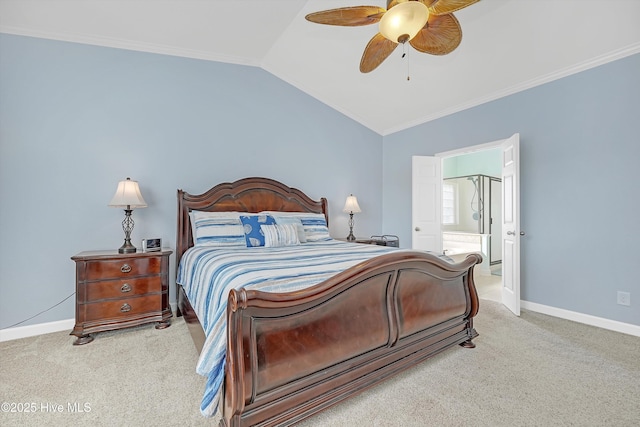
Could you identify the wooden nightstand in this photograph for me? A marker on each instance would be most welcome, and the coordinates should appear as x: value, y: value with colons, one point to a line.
x: 116, y: 291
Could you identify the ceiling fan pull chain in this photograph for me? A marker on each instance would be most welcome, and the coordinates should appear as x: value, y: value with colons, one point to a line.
x: 404, y: 54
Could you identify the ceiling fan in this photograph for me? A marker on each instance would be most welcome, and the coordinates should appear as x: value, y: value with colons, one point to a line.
x: 428, y: 25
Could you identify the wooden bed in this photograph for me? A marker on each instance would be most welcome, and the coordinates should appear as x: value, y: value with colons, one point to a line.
x: 352, y: 331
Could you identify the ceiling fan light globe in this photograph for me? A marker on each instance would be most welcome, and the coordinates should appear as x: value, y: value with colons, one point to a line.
x: 403, y: 21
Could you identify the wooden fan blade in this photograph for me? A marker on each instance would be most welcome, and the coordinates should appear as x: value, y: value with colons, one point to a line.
x: 428, y: 3
x: 440, y: 36
x: 442, y: 7
x: 378, y: 49
x: 348, y: 16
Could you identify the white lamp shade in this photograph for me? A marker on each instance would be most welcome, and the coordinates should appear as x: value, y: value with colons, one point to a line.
x: 403, y: 21
x: 351, y: 206
x: 128, y: 196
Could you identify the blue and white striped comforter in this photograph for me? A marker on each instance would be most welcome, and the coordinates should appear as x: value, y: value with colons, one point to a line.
x: 208, y: 274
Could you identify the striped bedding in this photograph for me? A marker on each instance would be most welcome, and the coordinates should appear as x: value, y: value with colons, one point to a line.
x: 208, y: 274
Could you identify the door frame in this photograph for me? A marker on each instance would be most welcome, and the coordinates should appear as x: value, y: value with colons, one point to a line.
x: 474, y: 149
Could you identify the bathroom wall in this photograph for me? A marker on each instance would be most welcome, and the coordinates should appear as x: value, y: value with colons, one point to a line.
x: 486, y: 162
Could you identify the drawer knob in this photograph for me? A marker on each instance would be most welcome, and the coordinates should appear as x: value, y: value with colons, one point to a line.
x: 125, y: 307
x: 125, y: 288
x: 125, y: 268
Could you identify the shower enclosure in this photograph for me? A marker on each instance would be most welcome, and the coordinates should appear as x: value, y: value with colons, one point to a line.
x: 472, y: 210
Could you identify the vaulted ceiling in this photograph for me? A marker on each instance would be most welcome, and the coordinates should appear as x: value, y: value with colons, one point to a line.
x: 507, y: 46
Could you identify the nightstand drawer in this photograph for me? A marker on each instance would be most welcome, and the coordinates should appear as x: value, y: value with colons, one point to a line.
x: 99, y: 269
x: 122, y: 307
x: 123, y: 288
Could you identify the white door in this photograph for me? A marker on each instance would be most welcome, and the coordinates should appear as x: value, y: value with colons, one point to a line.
x: 426, y: 206
x: 511, y: 223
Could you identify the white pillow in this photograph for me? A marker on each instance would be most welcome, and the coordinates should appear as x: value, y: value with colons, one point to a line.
x: 280, y: 235
x: 222, y: 229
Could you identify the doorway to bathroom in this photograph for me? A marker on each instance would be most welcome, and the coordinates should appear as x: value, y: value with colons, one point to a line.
x: 427, y: 209
x: 497, y: 159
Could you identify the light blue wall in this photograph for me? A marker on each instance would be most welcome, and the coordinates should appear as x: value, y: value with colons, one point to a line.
x: 76, y: 119
x: 580, y: 148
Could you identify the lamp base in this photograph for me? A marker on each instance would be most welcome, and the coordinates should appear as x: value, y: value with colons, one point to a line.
x: 127, y: 248
x: 127, y: 227
x: 351, y: 237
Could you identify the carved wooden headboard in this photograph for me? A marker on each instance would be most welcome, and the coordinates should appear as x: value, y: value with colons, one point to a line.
x: 245, y: 195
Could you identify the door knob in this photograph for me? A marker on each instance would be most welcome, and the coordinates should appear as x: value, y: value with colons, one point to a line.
x: 417, y: 229
x: 513, y: 233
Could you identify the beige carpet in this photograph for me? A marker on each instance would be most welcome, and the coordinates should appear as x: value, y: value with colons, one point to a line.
x: 530, y: 371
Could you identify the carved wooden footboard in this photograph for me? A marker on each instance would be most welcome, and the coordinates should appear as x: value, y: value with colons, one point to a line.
x: 291, y: 355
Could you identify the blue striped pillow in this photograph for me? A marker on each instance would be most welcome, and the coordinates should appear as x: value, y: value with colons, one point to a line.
x: 222, y: 229
x: 315, y: 227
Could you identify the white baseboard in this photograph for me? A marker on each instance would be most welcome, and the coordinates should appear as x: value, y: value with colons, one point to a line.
x: 612, y: 325
x: 587, y: 319
x: 46, y: 328
x: 39, y: 329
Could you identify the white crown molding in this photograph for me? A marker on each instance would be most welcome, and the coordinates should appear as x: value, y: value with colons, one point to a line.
x: 583, y: 66
x: 129, y: 45
x: 587, y: 319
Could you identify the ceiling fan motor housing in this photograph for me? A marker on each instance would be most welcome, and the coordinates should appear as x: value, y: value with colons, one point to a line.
x: 402, y: 22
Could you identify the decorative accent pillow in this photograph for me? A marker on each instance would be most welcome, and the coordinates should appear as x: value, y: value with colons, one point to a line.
x: 314, y: 224
x: 280, y: 235
x: 252, y: 232
x: 282, y: 220
x: 222, y: 229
